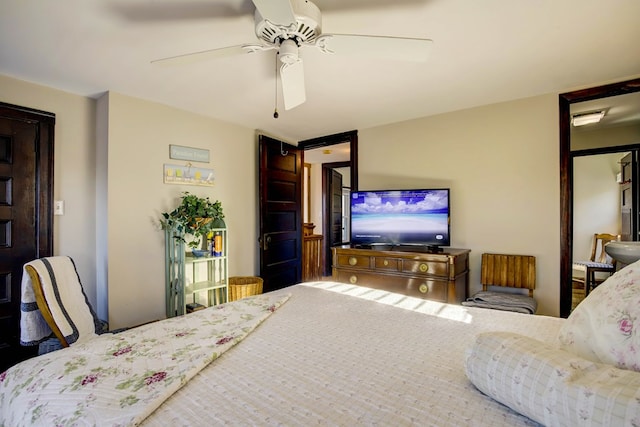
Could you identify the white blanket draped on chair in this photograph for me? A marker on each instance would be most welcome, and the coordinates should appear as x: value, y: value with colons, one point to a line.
x: 65, y: 298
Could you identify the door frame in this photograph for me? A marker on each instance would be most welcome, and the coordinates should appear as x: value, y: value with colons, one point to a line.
x: 566, y: 177
x: 326, y: 218
x: 339, y: 138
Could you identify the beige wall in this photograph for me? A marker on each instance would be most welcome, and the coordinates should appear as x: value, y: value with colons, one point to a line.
x: 74, y: 233
x: 315, y: 213
x: 122, y: 155
x: 606, y: 137
x: 346, y: 176
x: 501, y: 163
x: 139, y: 135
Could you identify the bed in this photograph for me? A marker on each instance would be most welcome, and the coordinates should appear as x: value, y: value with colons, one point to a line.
x: 326, y: 354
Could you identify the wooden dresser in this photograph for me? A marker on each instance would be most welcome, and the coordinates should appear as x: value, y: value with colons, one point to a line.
x: 442, y: 276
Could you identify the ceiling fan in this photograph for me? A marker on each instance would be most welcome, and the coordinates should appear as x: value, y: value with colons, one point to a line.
x: 288, y: 25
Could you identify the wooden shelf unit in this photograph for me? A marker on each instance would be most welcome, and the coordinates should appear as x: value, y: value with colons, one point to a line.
x: 194, y: 280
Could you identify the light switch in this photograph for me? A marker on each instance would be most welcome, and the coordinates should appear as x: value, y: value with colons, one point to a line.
x: 58, y: 208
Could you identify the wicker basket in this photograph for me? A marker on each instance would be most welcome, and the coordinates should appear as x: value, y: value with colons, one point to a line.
x: 241, y: 287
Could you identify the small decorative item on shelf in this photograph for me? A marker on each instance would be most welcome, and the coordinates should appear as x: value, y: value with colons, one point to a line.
x: 217, y: 244
x: 199, y: 252
x: 195, y: 217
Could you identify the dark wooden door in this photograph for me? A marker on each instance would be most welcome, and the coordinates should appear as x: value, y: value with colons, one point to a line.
x: 280, y: 213
x: 26, y: 181
x: 628, y: 197
x: 333, y: 221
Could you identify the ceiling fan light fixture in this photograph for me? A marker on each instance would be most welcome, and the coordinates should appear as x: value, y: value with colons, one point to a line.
x: 288, y: 51
x: 587, y: 118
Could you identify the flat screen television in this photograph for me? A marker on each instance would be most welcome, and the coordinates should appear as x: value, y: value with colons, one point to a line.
x: 400, y: 218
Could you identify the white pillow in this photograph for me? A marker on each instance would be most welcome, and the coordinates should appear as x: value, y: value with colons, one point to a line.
x: 605, y: 327
x: 550, y: 385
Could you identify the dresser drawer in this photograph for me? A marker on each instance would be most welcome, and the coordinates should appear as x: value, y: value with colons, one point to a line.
x: 353, y: 261
x: 391, y: 264
x: 361, y: 277
x: 433, y: 268
x: 418, y: 287
x: 435, y: 290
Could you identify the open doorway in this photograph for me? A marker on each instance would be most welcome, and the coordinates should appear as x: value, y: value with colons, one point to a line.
x: 325, y: 158
x: 566, y: 102
x: 603, y: 188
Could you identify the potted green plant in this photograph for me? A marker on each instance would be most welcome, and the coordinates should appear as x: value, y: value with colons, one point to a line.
x: 194, y: 218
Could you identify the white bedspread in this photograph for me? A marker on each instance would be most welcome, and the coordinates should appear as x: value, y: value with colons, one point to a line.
x: 329, y: 359
x: 118, y: 379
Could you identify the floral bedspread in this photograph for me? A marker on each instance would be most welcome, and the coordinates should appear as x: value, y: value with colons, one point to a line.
x: 118, y: 380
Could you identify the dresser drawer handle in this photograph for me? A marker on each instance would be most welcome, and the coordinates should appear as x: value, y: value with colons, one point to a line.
x: 423, y: 288
x: 386, y: 262
x: 353, y: 260
x: 353, y: 279
x: 424, y: 268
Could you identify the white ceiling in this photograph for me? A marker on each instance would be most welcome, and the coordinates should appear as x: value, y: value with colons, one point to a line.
x: 483, y: 52
x: 335, y: 153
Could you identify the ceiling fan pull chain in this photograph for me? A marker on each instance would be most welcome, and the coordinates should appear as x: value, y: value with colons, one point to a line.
x: 275, y: 112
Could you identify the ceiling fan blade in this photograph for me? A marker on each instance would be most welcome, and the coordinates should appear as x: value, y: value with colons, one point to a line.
x: 394, y: 48
x: 204, y: 55
x: 278, y: 12
x: 163, y: 10
x: 292, y: 78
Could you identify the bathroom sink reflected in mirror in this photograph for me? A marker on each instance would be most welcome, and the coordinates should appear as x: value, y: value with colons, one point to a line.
x: 624, y: 252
